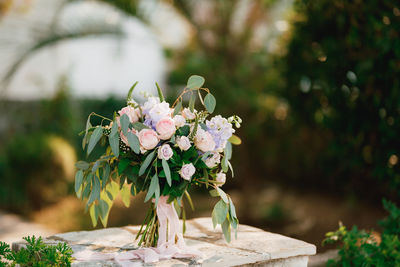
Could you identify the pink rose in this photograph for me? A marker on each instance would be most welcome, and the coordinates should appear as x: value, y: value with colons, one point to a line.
x: 204, y: 141
x: 187, y: 171
x: 132, y: 113
x: 165, y: 152
x: 165, y: 128
x: 148, y: 139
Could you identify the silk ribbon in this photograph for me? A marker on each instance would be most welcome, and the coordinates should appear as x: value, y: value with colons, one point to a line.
x: 170, y: 242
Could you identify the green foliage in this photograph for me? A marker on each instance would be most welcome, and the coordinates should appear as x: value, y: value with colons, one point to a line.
x: 343, y: 78
x: 36, y: 254
x: 362, y: 248
x: 391, y: 224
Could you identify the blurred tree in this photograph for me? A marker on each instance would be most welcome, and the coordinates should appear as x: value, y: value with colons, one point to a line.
x: 343, y: 76
x: 44, y: 31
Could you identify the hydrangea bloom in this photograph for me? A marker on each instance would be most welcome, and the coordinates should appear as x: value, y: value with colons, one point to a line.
x: 154, y: 110
x: 221, y: 130
x: 149, y: 104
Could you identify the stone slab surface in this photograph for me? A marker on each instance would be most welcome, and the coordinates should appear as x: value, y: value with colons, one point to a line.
x: 13, y: 228
x: 253, y: 247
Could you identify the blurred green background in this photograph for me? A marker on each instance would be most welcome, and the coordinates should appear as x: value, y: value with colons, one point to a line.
x: 317, y: 84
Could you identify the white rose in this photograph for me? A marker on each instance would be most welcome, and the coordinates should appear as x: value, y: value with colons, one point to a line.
x: 179, y: 121
x: 165, y: 152
x: 150, y: 103
x: 221, y: 178
x: 204, y: 141
x: 188, y: 114
x: 159, y: 111
x: 187, y: 171
x: 183, y: 142
x: 212, y: 161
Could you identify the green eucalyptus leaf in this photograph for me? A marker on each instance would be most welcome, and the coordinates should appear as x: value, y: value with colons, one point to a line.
x: 210, y: 102
x: 167, y: 171
x: 195, y: 82
x: 93, y: 215
x: 139, y: 126
x: 114, y: 128
x: 124, y: 120
x: 154, y: 185
x: 133, y: 142
x: 94, y: 139
x: 224, y: 164
x: 228, y: 150
x: 223, y: 195
x: 106, y: 173
x: 146, y: 163
x: 110, y: 196
x: 95, y: 194
x: 96, y: 165
x: 235, y: 140
x: 177, y: 108
x: 88, y: 125
x: 78, y: 180
x: 104, y: 208
x: 232, y: 209
x: 86, y: 191
x: 160, y: 93
x: 221, y: 211
x: 82, y: 165
x: 114, y: 143
x: 192, y: 101
x: 226, y: 229
x: 113, y: 139
x: 129, y: 97
x: 231, y: 168
x: 214, y: 218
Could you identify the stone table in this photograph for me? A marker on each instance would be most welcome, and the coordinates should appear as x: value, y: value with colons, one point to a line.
x: 253, y: 247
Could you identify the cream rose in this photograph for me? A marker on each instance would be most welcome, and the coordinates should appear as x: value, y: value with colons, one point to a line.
x: 221, y: 178
x: 148, y: 139
x: 204, y: 141
x: 212, y: 161
x: 165, y: 128
x: 165, y: 152
x: 183, y: 143
x: 187, y: 171
x: 179, y: 121
x: 188, y: 114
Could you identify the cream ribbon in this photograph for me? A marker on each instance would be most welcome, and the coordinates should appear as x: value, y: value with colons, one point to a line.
x: 166, y: 248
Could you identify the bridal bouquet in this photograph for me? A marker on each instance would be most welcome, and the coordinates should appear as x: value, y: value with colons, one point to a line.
x: 162, y: 150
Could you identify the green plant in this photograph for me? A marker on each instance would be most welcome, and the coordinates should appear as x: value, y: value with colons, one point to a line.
x: 36, y: 254
x: 343, y: 78
x: 366, y: 248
